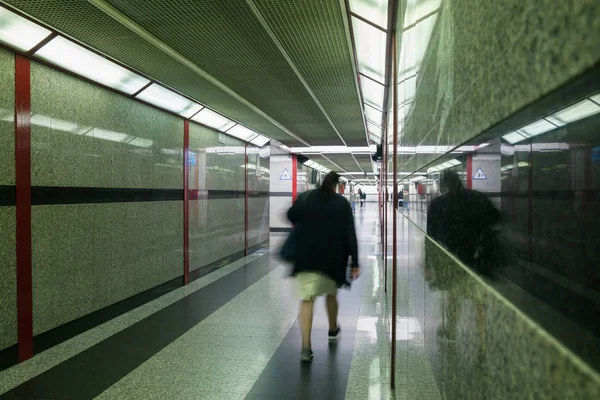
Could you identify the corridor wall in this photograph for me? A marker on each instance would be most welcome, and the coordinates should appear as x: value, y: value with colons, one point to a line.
x: 467, y: 76
x: 107, y: 205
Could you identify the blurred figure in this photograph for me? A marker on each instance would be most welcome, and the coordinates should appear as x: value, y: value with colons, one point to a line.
x: 352, y: 199
x: 326, y: 238
x: 363, y: 198
x: 461, y: 221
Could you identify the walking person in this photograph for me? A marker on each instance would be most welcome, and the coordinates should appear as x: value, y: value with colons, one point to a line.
x: 326, y: 239
x: 352, y: 200
x: 363, y: 198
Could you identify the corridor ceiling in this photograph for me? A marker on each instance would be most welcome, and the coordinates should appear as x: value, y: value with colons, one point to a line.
x: 284, y: 68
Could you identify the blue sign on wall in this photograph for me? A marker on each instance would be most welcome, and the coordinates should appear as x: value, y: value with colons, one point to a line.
x: 192, y: 160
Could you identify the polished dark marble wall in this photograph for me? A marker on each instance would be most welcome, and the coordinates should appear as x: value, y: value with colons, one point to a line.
x: 474, y: 83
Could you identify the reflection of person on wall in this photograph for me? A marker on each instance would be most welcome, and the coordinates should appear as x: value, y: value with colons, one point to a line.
x: 460, y: 220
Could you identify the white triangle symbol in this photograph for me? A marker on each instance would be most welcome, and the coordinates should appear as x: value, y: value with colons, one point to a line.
x: 285, y: 176
x: 479, y: 175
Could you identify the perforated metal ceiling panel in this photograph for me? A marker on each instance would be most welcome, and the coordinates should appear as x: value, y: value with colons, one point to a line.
x: 364, y: 160
x: 230, y: 42
x: 313, y: 34
x: 346, y: 161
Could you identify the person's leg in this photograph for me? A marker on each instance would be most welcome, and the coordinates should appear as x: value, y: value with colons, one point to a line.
x: 332, y: 312
x: 306, y: 317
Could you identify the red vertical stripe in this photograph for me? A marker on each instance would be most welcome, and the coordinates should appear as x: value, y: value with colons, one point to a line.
x: 246, y: 204
x: 186, y: 202
x: 469, y: 171
x: 23, y: 207
x: 294, y: 177
x: 530, y: 201
x: 394, y: 207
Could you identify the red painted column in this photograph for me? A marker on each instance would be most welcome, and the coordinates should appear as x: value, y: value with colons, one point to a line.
x: 469, y: 171
x: 246, y: 203
x: 394, y: 206
x: 294, y: 177
x: 23, y: 206
x: 186, y: 202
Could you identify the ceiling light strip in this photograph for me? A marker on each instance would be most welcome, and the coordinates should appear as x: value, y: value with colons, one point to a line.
x: 288, y: 59
x: 363, y: 19
x: 144, y: 34
x: 344, y: 5
x: 42, y: 43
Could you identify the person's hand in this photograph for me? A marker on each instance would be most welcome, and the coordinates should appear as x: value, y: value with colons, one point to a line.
x: 355, y: 273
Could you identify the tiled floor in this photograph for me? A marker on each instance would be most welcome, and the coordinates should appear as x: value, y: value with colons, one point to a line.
x: 234, y: 334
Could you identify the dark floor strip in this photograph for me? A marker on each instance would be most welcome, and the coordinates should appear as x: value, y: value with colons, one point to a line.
x: 89, y: 373
x: 326, y: 377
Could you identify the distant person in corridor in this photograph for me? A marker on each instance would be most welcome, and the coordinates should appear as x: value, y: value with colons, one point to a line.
x: 326, y: 239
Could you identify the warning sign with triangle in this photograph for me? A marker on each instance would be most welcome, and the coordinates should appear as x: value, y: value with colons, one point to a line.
x: 285, y: 175
x: 479, y: 175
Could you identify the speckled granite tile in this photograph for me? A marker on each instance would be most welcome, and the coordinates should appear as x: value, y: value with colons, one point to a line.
x: 8, y: 278
x: 221, y: 361
x: 7, y: 116
x: 20, y: 373
x: 83, y: 135
x: 81, y: 250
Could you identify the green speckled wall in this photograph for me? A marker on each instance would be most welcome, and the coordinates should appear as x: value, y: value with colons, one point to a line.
x: 90, y: 254
x: 216, y: 225
x: 8, y: 302
x: 85, y: 136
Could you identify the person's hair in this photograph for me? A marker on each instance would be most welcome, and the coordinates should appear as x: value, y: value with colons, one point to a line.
x: 330, y: 181
x: 451, y: 181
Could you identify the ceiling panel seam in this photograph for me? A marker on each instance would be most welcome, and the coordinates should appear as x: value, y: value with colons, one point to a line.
x: 141, y: 32
x: 277, y: 43
x: 328, y: 159
x: 357, y: 163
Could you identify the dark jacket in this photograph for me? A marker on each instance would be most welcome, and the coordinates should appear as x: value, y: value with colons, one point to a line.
x: 325, y: 235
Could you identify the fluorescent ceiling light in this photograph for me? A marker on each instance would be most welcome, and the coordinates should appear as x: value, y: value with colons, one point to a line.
x: 583, y: 109
x: 72, y: 57
x: 536, y: 128
x: 417, y: 9
x: 18, y: 32
x: 513, y: 137
x: 241, y: 132
x: 407, y: 90
x: 596, y: 98
x: 214, y: 120
x: 375, y: 11
x: 333, y: 150
x: 370, y: 49
x: 374, y: 128
x: 372, y: 93
x: 169, y: 100
x: 260, y: 140
x: 373, y: 114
